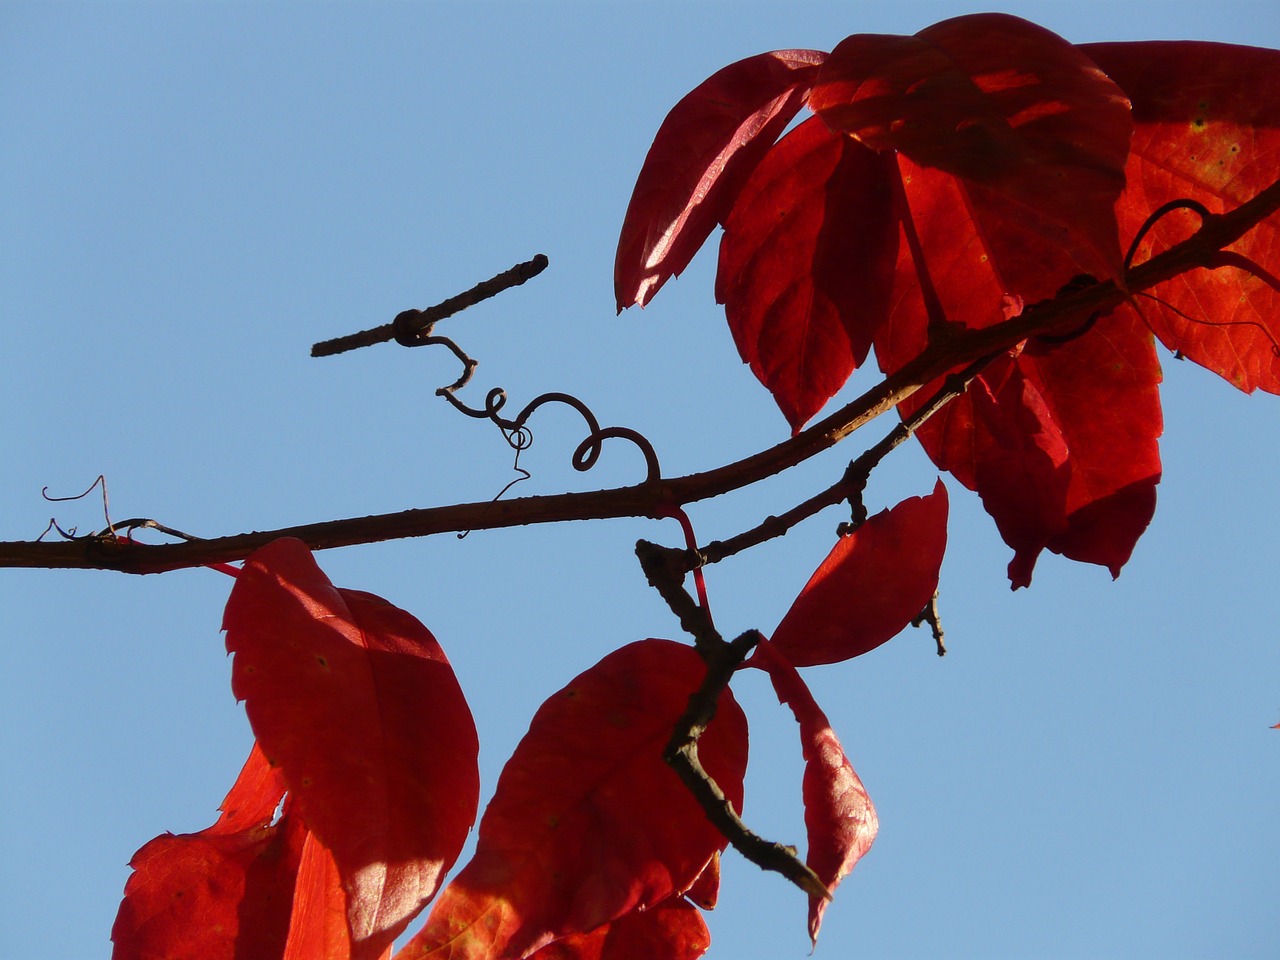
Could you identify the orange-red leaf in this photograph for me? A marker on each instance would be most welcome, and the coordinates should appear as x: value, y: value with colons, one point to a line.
x: 220, y: 894
x: 1000, y: 102
x: 702, y: 154
x: 807, y: 263
x: 840, y: 819
x: 354, y: 700
x: 1208, y: 129
x: 588, y: 822
x: 673, y: 930
x: 318, y: 927
x: 870, y: 586
x: 705, y: 892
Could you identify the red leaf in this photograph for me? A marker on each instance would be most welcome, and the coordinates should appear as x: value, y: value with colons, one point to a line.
x: 702, y: 154
x: 1021, y: 473
x: 806, y: 265
x: 318, y: 926
x: 838, y: 814
x: 673, y: 930
x: 705, y: 891
x: 220, y: 894
x: 1001, y: 102
x: 1208, y: 129
x: 354, y: 700
x: 1061, y: 444
x: 870, y: 586
x: 1077, y: 421
x: 588, y: 822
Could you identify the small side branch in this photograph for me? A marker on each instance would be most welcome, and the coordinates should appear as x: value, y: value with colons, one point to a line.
x: 421, y: 320
x: 665, y: 569
x: 850, y: 486
x: 931, y: 616
x: 682, y: 755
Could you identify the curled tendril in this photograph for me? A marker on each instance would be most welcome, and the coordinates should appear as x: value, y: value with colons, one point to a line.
x: 1162, y: 211
x: 516, y: 431
x: 115, y: 529
x: 70, y: 534
x: 1223, y: 258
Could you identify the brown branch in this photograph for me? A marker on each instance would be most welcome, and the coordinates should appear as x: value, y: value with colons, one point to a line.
x: 933, y: 617
x: 851, y: 484
x: 647, y: 500
x: 665, y: 569
x: 682, y: 755
x: 418, y: 321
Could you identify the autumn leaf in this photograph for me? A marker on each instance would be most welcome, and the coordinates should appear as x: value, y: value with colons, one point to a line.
x: 705, y: 891
x: 840, y: 819
x: 870, y: 586
x: 220, y: 894
x: 1058, y: 438
x: 588, y: 823
x: 807, y: 263
x: 673, y: 930
x: 318, y: 925
x: 1208, y: 130
x: 1001, y: 103
x: 702, y: 154
x: 355, y: 702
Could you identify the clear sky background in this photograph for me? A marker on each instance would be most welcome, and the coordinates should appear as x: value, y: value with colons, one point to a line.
x: 193, y: 193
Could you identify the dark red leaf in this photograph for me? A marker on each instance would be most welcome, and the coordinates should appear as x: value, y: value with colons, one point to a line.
x: 840, y: 819
x: 1000, y: 102
x: 354, y: 700
x: 807, y: 263
x: 870, y: 586
x: 1081, y: 418
x: 588, y: 822
x: 220, y: 894
x: 673, y: 930
x: 701, y: 156
x: 1208, y: 129
x: 1019, y: 466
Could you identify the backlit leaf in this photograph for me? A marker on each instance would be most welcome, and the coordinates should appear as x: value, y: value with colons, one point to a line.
x: 220, y: 894
x: 588, y: 823
x: 870, y: 586
x: 1208, y: 129
x: 318, y: 926
x: 1063, y: 447
x: 1003, y: 104
x: 673, y: 930
x: 840, y: 819
x: 354, y: 700
x: 702, y: 154
x: 705, y: 892
x: 806, y: 265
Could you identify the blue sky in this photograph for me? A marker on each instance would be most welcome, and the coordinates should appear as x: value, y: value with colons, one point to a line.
x: 196, y: 192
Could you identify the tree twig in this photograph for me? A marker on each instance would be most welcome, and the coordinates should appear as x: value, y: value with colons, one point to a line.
x: 418, y: 321
x: 855, y: 477
x: 682, y: 755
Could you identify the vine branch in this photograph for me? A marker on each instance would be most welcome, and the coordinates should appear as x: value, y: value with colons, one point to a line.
x: 945, y: 351
x: 663, y: 567
x: 682, y: 754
